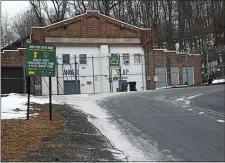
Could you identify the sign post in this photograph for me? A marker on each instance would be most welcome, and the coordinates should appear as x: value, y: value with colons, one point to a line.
x: 40, y: 62
x: 28, y: 99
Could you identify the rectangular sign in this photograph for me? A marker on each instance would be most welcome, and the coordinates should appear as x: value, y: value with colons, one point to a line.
x: 114, y: 61
x: 93, y: 40
x: 40, y: 60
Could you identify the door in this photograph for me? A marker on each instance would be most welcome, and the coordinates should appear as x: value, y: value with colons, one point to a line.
x: 190, y: 74
x: 71, y: 87
x: 174, y: 76
x: 161, y: 73
x: 12, y: 79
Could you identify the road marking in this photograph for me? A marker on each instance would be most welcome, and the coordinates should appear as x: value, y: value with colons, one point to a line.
x: 214, y: 112
x: 221, y: 121
x: 201, y: 113
x: 193, y: 96
x: 190, y: 109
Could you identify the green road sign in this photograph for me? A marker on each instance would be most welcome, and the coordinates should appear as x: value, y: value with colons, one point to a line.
x: 40, y: 60
x: 114, y: 61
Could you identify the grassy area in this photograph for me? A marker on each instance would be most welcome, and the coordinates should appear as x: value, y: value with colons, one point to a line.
x: 20, y: 136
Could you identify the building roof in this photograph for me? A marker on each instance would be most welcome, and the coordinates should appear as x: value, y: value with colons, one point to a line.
x: 16, y: 44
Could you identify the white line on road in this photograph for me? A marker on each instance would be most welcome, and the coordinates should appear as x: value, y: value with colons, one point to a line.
x: 193, y: 96
x: 221, y: 121
x: 190, y: 109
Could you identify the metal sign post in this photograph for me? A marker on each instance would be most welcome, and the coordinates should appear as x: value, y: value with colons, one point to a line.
x: 28, y: 98
x: 40, y: 62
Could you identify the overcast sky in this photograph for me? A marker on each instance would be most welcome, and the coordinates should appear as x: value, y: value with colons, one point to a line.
x: 13, y: 7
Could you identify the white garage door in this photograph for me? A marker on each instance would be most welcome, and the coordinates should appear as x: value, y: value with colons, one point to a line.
x: 161, y: 73
x: 188, y: 75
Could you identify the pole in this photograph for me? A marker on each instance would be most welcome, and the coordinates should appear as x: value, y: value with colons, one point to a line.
x: 50, y: 98
x: 63, y: 78
x: 75, y: 60
x: 120, y: 74
x: 71, y: 81
x: 28, y: 99
x: 186, y: 68
x: 164, y: 62
x: 24, y: 79
x: 109, y: 76
x: 93, y: 71
x: 111, y: 82
x: 57, y: 75
x: 207, y: 57
x: 142, y: 72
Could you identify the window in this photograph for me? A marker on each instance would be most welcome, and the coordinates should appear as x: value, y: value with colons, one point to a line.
x: 126, y: 58
x: 66, y: 58
x: 83, y: 58
x: 137, y: 58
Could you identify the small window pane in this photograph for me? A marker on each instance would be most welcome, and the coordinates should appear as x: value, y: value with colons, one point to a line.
x: 66, y: 58
x: 137, y: 58
x: 83, y: 58
x: 126, y: 57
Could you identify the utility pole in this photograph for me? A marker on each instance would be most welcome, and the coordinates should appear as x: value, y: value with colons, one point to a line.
x: 186, y: 67
x: 207, y: 60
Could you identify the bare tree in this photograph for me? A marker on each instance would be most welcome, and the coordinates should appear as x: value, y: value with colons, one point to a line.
x: 22, y: 22
x: 7, y: 35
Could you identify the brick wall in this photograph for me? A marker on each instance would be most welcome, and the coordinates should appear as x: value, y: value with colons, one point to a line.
x: 16, y: 58
x: 168, y: 59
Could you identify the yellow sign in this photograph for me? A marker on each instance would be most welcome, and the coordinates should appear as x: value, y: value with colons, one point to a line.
x: 88, y: 82
x: 31, y: 72
x: 35, y: 54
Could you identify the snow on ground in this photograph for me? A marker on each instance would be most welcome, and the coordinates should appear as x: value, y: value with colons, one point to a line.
x: 14, y: 106
x: 101, y: 119
x: 216, y: 81
x: 175, y: 86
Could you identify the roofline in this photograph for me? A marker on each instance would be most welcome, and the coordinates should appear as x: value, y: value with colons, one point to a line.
x: 59, y: 21
x: 18, y: 49
x: 174, y: 51
x: 99, y: 14
x: 124, y: 22
x: 16, y: 41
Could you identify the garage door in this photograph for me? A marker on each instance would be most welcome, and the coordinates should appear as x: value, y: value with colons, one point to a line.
x: 161, y: 73
x: 174, y: 76
x: 190, y: 73
x: 12, y: 80
x: 71, y: 87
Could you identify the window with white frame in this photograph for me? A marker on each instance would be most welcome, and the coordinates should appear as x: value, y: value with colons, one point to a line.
x: 126, y: 58
x: 83, y: 58
x: 137, y: 58
x: 66, y: 58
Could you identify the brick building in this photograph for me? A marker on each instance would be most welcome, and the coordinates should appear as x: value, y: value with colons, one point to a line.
x: 95, y: 30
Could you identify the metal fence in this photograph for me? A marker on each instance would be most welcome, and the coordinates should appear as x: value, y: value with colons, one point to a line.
x: 92, y: 74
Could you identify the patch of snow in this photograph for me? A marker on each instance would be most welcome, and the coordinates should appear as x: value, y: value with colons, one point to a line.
x: 175, y: 86
x: 201, y: 113
x: 190, y: 109
x: 14, y: 105
x: 218, y: 81
x: 221, y: 121
x: 101, y: 119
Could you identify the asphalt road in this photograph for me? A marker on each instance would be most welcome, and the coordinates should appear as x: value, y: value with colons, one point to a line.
x: 183, y: 124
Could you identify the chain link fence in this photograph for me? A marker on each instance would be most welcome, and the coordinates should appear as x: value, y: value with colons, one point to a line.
x: 77, y: 74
